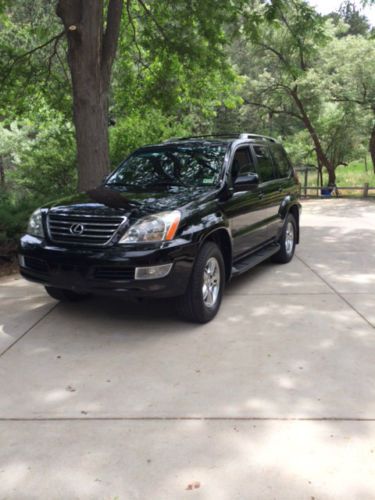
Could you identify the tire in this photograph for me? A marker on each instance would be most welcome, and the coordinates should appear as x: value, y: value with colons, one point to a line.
x: 202, y: 299
x: 65, y: 295
x: 287, y: 241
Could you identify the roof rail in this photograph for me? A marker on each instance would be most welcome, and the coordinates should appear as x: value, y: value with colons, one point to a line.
x: 229, y: 135
x: 259, y: 137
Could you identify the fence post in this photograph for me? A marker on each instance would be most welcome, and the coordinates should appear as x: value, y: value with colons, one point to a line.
x: 306, y: 173
x: 365, y: 190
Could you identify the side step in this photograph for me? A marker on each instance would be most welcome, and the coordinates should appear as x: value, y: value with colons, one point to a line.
x: 254, y: 259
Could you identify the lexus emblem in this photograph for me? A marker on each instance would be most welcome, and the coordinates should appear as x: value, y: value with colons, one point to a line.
x: 77, y: 229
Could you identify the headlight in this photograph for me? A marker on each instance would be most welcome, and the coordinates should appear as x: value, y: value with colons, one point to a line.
x: 35, y: 226
x: 158, y: 227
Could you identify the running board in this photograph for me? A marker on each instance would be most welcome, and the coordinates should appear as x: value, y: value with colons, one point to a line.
x: 254, y: 259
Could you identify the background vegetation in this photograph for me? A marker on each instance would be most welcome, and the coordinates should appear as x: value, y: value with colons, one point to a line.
x: 183, y: 68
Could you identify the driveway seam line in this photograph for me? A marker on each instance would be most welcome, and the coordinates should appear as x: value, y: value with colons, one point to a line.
x: 336, y: 292
x: 29, y: 330
x: 161, y: 419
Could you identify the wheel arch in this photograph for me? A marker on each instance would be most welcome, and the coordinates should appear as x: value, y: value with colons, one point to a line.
x: 222, y: 238
x: 294, y: 210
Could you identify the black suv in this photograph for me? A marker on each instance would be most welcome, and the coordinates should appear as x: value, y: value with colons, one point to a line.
x: 176, y: 219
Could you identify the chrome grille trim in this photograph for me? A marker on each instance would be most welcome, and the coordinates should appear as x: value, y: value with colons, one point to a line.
x: 99, y: 230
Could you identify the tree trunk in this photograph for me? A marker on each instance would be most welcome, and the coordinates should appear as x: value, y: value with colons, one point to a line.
x: 2, y: 174
x: 90, y: 56
x: 90, y: 114
x: 320, y: 154
x: 372, y: 146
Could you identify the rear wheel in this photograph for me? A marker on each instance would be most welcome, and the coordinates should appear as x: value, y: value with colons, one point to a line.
x: 202, y: 299
x: 65, y: 295
x: 287, y: 241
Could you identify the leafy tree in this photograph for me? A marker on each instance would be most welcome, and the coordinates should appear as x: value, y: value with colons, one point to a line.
x: 350, y: 64
x: 358, y: 23
x: 14, y: 141
x: 289, y: 48
x: 32, y: 60
x: 355, y: 22
x: 177, y: 45
x: 188, y: 32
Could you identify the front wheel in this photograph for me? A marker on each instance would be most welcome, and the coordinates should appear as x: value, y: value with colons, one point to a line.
x: 202, y: 299
x: 287, y: 241
x: 65, y: 295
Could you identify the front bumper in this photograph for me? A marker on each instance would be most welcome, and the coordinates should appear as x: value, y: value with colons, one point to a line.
x: 107, y: 271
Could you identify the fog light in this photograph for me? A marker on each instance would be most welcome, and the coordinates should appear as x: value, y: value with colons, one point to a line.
x: 21, y: 261
x: 152, y: 272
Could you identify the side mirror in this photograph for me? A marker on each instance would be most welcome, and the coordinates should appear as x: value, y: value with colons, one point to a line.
x: 246, y: 182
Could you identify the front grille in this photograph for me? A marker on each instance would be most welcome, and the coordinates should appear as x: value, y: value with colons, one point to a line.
x: 114, y: 273
x: 38, y: 265
x: 96, y: 230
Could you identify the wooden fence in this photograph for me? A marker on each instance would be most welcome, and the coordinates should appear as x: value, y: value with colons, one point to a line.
x: 365, y: 189
x: 305, y: 188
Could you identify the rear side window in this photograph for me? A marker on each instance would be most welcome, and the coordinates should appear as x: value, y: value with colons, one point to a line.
x: 242, y: 163
x: 265, y: 163
x: 283, y: 166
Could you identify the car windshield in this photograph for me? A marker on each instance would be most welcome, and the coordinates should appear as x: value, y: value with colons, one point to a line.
x: 183, y: 165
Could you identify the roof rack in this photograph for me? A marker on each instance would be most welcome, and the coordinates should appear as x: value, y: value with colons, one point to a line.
x: 257, y: 137
x: 228, y: 136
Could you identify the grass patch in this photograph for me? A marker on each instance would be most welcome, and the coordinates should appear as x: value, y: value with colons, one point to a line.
x: 353, y: 175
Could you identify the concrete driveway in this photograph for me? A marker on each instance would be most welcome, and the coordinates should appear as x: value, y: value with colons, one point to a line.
x: 274, y: 399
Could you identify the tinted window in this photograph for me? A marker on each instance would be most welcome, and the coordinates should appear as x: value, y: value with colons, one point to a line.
x: 171, y: 165
x: 282, y: 162
x: 265, y: 163
x: 242, y: 163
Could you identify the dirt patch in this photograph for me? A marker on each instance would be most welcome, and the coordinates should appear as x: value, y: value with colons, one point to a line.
x: 8, y: 267
x: 8, y: 259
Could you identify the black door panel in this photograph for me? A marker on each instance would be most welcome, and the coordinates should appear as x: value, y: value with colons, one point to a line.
x: 245, y: 213
x: 245, y: 209
x: 270, y: 187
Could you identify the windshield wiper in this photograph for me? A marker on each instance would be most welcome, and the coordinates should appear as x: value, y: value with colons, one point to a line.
x: 167, y: 182
x: 123, y: 184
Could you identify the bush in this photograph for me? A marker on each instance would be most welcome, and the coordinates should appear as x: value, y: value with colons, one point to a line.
x: 14, y: 215
x: 48, y: 168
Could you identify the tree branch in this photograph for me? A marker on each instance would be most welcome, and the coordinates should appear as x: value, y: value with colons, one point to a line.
x: 51, y: 56
x: 297, y: 39
x: 135, y: 41
x: 111, y: 35
x: 54, y: 39
x: 279, y: 55
x: 272, y: 110
x: 364, y: 103
x: 157, y: 24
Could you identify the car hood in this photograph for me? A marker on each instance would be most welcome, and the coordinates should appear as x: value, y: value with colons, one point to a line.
x: 111, y: 201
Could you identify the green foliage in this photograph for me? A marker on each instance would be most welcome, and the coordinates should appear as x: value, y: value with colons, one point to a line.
x: 299, y: 149
x: 27, y: 74
x: 145, y: 127
x: 48, y: 168
x: 356, y: 22
x: 355, y: 174
x: 14, y: 214
x: 39, y: 157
